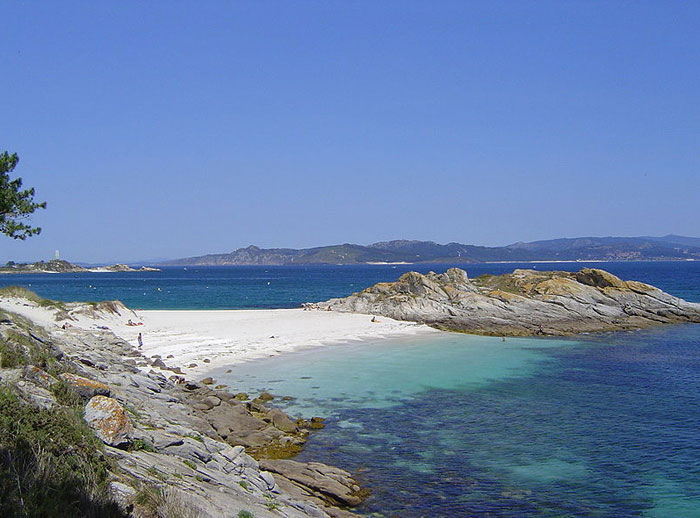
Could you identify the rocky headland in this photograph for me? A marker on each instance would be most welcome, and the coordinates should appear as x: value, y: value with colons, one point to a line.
x: 60, y: 266
x: 522, y: 303
x: 140, y: 439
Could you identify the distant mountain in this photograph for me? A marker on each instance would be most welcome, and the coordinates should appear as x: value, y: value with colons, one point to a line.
x: 669, y: 247
x: 676, y: 240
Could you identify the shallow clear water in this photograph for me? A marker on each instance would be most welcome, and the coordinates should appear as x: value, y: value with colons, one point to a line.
x: 460, y: 426
x: 384, y: 373
x: 471, y: 426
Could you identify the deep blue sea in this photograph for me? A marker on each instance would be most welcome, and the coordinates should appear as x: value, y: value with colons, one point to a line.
x: 251, y: 287
x: 464, y: 426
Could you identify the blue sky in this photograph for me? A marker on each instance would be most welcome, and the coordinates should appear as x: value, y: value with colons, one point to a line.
x: 169, y: 129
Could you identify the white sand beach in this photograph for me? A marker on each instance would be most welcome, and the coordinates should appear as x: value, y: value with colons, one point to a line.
x: 226, y: 337
x: 232, y: 336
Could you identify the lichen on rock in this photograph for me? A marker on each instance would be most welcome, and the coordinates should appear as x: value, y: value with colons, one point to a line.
x: 107, y: 417
x: 522, y: 303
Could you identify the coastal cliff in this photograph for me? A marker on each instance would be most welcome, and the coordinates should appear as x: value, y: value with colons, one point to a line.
x: 106, y: 431
x: 522, y: 303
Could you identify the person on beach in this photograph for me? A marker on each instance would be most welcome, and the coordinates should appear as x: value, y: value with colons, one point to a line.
x: 140, y: 339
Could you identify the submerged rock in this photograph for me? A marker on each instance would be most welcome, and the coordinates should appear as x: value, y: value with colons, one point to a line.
x: 265, y: 396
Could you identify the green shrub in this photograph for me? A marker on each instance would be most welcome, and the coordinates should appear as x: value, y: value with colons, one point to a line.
x: 245, y: 514
x: 164, y: 503
x: 141, y: 445
x: 65, y: 394
x: 194, y: 436
x: 270, y: 503
x: 20, y: 348
x: 46, y: 303
x: 51, y: 464
x: 21, y: 293
x: 157, y: 473
x: 11, y: 355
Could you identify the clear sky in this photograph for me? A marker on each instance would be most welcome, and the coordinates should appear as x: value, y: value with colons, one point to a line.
x: 170, y: 129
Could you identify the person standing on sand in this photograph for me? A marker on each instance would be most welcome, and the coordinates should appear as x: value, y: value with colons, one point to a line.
x: 140, y: 339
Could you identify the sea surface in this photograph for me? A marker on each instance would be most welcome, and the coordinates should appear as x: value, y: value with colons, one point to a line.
x: 453, y: 425
x: 257, y: 287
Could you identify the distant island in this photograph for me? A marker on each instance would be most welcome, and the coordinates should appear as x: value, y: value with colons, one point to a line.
x: 670, y: 247
x: 60, y: 266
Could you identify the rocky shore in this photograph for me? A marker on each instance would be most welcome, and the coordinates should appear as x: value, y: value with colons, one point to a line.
x: 60, y: 266
x: 522, y: 303
x: 204, y: 450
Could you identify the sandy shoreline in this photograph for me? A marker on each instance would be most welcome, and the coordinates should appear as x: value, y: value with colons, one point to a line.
x: 226, y: 337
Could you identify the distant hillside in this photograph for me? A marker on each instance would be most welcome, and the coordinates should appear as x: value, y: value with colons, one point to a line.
x: 403, y: 251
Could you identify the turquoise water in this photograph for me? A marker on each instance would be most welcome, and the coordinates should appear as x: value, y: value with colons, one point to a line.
x: 460, y: 426
x: 382, y: 374
x: 456, y: 425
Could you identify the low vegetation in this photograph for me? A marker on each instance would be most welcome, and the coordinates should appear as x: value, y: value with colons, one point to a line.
x: 159, y: 502
x: 11, y: 356
x: 66, y: 395
x: 51, y: 464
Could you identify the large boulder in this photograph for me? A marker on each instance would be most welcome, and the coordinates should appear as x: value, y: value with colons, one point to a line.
x: 107, y: 418
x: 281, y: 421
x: 332, y: 485
x: 86, y: 387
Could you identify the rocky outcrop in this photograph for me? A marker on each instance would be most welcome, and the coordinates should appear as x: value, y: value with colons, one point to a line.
x: 60, y: 266
x: 522, y: 303
x: 85, y: 387
x: 325, y: 483
x: 53, y: 266
x: 123, y: 268
x: 108, y: 419
x: 196, y: 445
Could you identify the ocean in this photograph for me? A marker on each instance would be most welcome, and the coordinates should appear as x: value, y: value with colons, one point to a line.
x: 258, y: 287
x: 603, y: 425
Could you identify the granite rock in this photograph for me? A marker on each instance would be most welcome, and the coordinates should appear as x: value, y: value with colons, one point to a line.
x: 106, y: 416
x: 522, y: 303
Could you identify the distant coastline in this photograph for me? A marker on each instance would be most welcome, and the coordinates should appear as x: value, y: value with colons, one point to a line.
x: 59, y: 266
x: 406, y: 252
x: 402, y: 252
